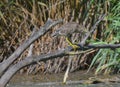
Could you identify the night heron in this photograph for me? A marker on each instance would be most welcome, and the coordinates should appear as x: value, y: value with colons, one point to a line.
x: 67, y: 31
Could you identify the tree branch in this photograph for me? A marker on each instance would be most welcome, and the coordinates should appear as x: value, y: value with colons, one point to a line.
x: 112, y: 46
x: 91, y: 46
x: 5, y: 64
x: 33, y: 59
x: 27, y: 61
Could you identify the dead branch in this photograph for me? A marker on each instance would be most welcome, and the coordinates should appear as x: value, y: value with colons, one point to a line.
x: 5, y: 64
x: 28, y: 61
x: 34, y: 59
x: 111, y: 46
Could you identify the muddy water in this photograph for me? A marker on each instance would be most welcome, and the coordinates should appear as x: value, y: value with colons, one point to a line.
x: 55, y: 80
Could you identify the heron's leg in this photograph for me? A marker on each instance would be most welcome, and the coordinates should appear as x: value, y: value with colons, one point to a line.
x: 67, y: 71
x: 71, y: 44
x: 70, y: 60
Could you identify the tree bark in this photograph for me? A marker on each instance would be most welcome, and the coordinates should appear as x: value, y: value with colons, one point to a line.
x: 6, y: 70
x: 5, y: 64
x: 28, y: 61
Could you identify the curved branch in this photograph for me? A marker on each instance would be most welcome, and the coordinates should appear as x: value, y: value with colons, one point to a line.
x: 5, y: 64
x: 33, y: 59
x: 28, y: 61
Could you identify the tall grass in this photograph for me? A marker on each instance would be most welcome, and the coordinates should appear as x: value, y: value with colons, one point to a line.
x: 108, y: 60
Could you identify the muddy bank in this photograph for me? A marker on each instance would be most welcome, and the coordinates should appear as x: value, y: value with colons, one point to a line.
x: 79, y: 78
x: 74, y: 76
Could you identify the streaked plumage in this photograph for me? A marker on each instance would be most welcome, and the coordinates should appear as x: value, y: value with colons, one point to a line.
x: 68, y: 29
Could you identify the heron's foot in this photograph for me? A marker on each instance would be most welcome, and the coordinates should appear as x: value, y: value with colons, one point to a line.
x: 75, y: 46
x: 64, y: 83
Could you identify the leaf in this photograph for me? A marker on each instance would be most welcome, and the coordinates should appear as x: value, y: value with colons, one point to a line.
x: 43, y: 4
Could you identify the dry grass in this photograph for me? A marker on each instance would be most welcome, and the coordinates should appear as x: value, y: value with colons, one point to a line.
x: 19, y: 17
